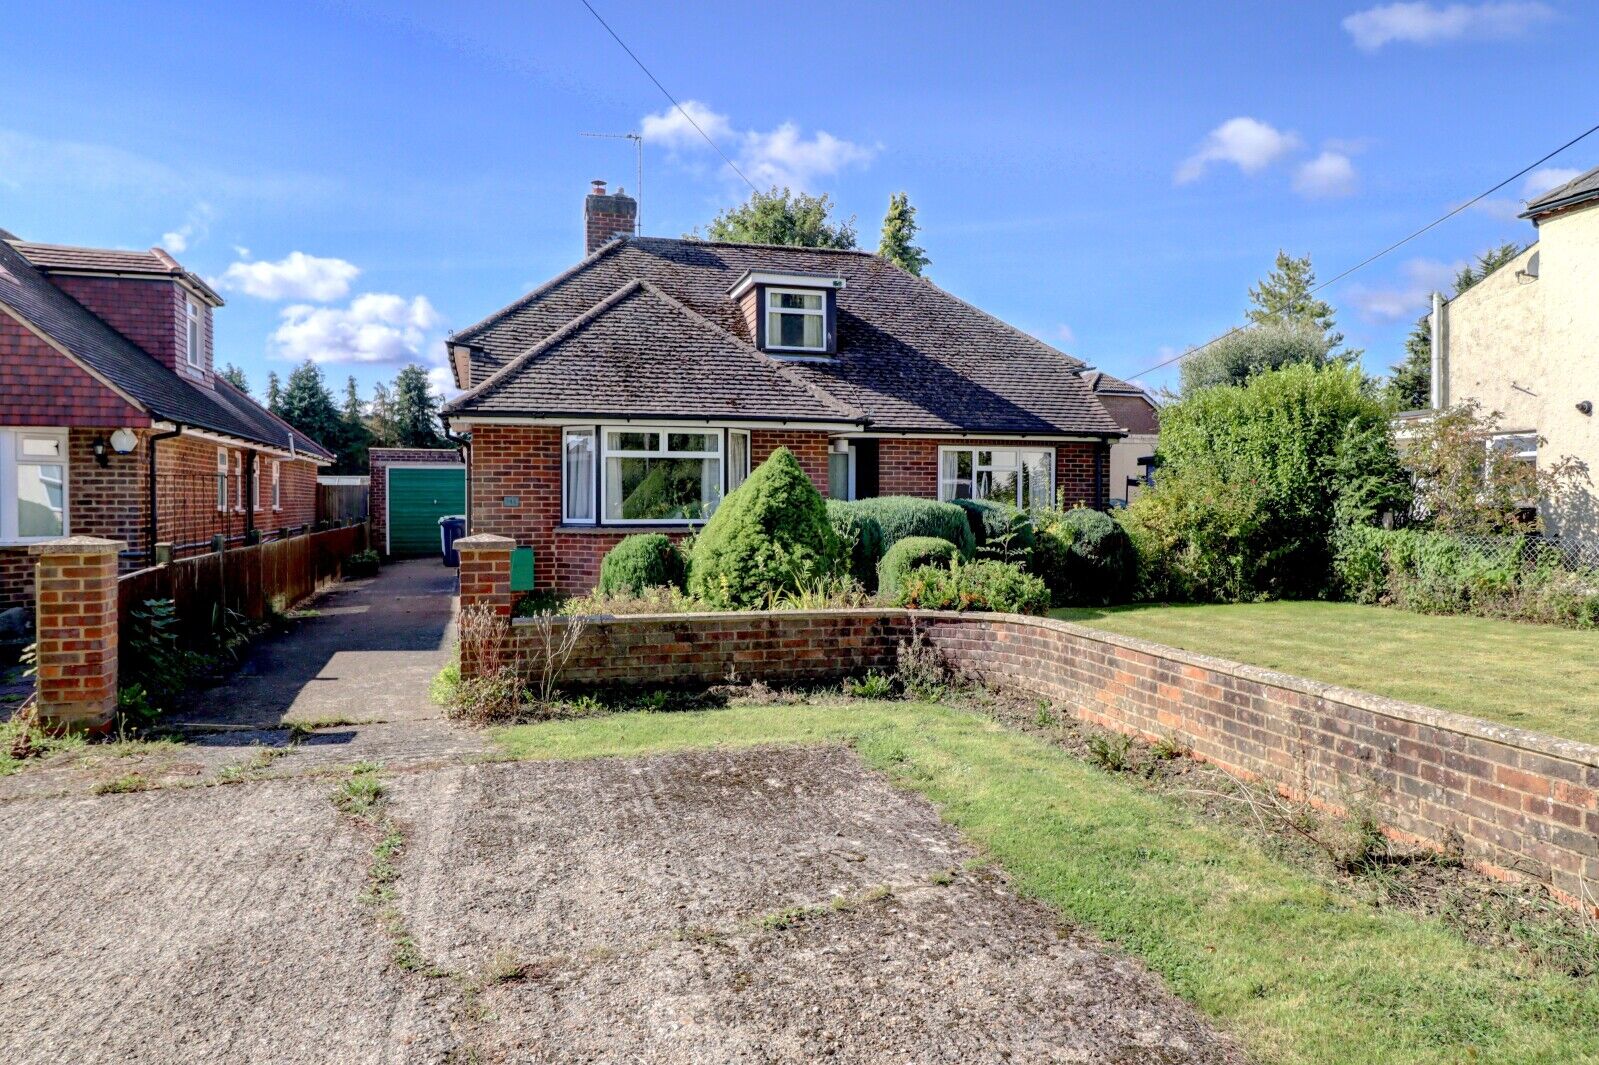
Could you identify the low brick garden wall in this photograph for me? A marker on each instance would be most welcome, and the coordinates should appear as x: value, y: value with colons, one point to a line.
x: 1520, y: 803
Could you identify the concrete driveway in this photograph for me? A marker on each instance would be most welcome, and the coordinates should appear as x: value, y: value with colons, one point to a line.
x: 756, y: 906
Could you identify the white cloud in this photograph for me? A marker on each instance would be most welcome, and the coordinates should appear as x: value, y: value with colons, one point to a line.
x: 671, y: 129
x: 780, y: 156
x: 1328, y: 175
x: 194, y: 229
x: 1247, y: 143
x: 1429, y: 23
x: 1541, y: 181
x: 442, y: 381
x: 375, y: 328
x: 1064, y: 334
x: 295, y: 276
x: 1407, y: 298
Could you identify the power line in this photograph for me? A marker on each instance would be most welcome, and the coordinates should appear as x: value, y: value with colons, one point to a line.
x: 1395, y: 246
x: 669, y: 96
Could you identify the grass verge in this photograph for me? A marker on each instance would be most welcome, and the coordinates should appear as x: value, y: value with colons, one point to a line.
x: 1300, y: 972
x: 1538, y: 677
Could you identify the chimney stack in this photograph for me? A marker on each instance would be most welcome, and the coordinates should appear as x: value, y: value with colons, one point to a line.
x: 607, y: 216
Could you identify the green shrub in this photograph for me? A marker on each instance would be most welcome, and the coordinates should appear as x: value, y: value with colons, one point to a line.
x: 860, y: 540
x: 1439, y: 573
x: 902, y: 516
x: 645, y: 560
x: 982, y: 585
x: 362, y: 564
x: 770, y: 536
x: 906, y: 555
x: 1085, y: 557
x: 999, y: 530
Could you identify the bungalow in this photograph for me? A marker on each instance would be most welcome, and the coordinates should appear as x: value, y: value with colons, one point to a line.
x: 113, y: 421
x: 637, y: 388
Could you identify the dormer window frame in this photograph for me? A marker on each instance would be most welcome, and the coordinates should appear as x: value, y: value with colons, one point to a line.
x: 194, y: 332
x: 770, y: 312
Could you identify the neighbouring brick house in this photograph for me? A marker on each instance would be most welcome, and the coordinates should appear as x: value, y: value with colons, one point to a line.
x: 1133, y: 410
x: 109, y: 404
x: 633, y: 391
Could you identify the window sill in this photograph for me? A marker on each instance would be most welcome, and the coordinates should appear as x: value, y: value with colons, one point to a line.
x: 634, y: 527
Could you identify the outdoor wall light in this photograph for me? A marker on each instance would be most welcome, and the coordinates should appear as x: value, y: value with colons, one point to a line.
x: 1585, y: 407
x: 101, y: 451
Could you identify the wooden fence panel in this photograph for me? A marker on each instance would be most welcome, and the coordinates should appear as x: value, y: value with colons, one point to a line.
x: 341, y: 502
x: 249, y: 580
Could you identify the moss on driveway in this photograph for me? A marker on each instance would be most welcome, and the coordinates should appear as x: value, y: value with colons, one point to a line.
x: 1299, y: 972
x: 1537, y: 677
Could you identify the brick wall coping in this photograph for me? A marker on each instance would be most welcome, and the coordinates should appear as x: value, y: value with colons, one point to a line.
x: 1507, y: 735
x: 485, y: 542
x: 78, y: 545
x: 447, y: 453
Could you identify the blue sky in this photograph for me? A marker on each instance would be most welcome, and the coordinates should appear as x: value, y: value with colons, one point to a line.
x: 361, y: 178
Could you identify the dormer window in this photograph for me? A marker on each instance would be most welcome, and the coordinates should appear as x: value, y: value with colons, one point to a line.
x: 796, y: 319
x: 196, y: 332
x: 792, y: 315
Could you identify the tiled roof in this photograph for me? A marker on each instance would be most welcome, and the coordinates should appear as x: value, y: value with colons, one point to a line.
x: 1579, y: 189
x: 610, y: 360
x: 222, y: 409
x: 65, y: 258
x: 911, y: 357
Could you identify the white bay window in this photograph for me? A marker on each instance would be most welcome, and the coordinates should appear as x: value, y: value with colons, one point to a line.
x: 1022, y: 477
x: 33, y: 484
x: 649, y: 474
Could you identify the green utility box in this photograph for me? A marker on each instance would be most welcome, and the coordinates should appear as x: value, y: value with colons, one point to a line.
x: 521, y: 569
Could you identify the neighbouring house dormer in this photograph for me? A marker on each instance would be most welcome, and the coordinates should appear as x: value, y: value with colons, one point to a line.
x: 790, y: 315
x: 147, y: 296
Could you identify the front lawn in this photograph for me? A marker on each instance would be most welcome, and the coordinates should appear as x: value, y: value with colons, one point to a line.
x: 1536, y: 677
x: 1299, y: 971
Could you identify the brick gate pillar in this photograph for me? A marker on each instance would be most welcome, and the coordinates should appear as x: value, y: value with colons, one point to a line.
x: 486, y: 572
x: 76, y: 620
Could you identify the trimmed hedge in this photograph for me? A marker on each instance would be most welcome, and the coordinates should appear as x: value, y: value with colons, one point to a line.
x: 646, y: 560
x: 902, y: 516
x: 908, y: 554
x: 860, y: 540
x: 1085, y: 557
x: 982, y: 585
x: 769, y: 537
x: 992, y: 522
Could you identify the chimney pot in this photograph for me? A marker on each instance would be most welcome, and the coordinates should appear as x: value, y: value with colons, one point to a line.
x: 597, y: 188
x: 607, y: 216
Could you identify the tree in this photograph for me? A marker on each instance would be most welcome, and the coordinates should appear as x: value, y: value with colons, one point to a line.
x: 355, y: 439
x: 235, y: 377
x: 1236, y: 357
x: 380, y: 417
x: 274, y: 394
x: 1410, y: 381
x: 783, y: 217
x: 416, y: 410
x: 1284, y: 296
x: 899, y: 232
x: 307, y: 405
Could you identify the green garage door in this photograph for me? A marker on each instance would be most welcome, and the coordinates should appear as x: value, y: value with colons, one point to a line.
x: 418, y: 498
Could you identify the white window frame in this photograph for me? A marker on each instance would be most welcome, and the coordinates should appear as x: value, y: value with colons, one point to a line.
x: 1527, y: 455
x: 277, y: 484
x: 10, y: 458
x: 727, y: 466
x: 222, y: 480
x: 238, y: 483
x: 944, y: 484
x: 769, y: 310
x: 605, y: 453
x: 592, y: 488
x: 194, y: 336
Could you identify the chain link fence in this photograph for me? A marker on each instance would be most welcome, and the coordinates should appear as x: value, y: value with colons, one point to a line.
x: 1531, y: 551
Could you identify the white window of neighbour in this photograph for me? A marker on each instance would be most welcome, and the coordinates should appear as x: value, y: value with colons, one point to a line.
x: 738, y: 457
x: 1022, y: 477
x: 577, y: 476
x: 662, y: 475
x: 238, y: 481
x: 33, y: 480
x: 277, y: 485
x: 195, y: 337
x: 1518, y: 447
x: 796, y: 319
x: 222, y: 478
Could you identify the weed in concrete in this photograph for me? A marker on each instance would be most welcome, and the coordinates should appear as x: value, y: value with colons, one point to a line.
x: 361, y: 793
x: 942, y: 877
x: 128, y: 782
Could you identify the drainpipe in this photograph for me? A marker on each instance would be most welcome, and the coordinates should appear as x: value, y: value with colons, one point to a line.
x: 464, y: 445
x: 176, y: 431
x: 249, y: 497
x: 1436, y: 347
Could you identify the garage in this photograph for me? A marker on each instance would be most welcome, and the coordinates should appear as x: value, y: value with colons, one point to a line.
x: 418, y: 496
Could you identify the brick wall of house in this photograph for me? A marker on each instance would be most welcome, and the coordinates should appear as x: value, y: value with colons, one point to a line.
x: 523, y: 462
x: 41, y: 386
x: 148, y: 311
x: 1523, y: 804
x: 909, y: 467
x: 379, y: 459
